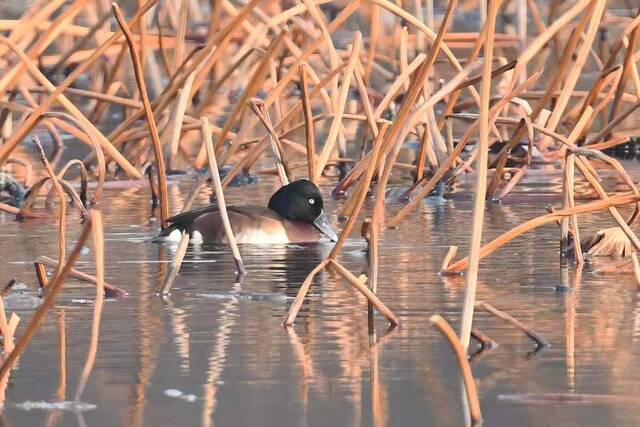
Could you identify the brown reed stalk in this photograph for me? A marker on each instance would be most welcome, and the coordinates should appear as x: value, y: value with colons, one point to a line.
x: 377, y: 218
x: 396, y: 10
x: 302, y: 293
x: 101, y: 164
x: 563, y: 67
x: 53, y: 290
x: 41, y: 274
x: 153, y: 130
x: 402, y: 116
x: 506, y: 237
x: 377, y: 399
x: 530, y: 332
x: 465, y: 370
x: 36, y: 114
x: 334, y: 59
x: 371, y: 297
x: 444, y: 168
x: 498, y: 71
x: 372, y: 236
x: 399, y: 82
x: 364, y: 99
x: 7, y: 328
x: 174, y: 268
x: 177, y: 120
x: 142, y: 39
x: 84, y: 177
x: 576, y: 70
x: 222, y: 38
x: 32, y: 15
x: 559, y: 24
x: 451, y: 253
x: 9, y: 209
x: 568, y: 187
x: 403, y: 51
x: 636, y: 268
x: 398, y: 130
x: 12, y: 75
x: 161, y: 47
x: 626, y: 71
x: 109, y: 82
x: 252, y: 86
x: 341, y: 101
x: 247, y: 160
x: 606, y: 97
x: 293, y: 71
x: 79, y: 44
x: 210, y: 97
x: 373, y: 164
x: 421, y: 157
x: 473, y: 55
x: 110, y: 291
x: 362, y: 194
x: 595, y: 90
x: 222, y: 205
x: 612, y: 209
x: 178, y: 51
x: 28, y: 170
x: 612, y: 143
x: 308, y: 125
x: 109, y: 96
x: 282, y: 166
x: 604, y: 133
x: 62, y: 336
x: 374, y: 33
x: 485, y: 341
x: 481, y: 184
x: 31, y: 199
x: 8, y: 286
x: 62, y: 218
x: 212, y: 52
x: 98, y: 248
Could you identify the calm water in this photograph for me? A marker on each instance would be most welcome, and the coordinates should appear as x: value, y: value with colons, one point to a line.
x: 215, y: 353
x: 222, y: 340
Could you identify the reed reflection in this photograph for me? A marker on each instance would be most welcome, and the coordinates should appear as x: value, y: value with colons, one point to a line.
x: 218, y: 357
x: 53, y: 417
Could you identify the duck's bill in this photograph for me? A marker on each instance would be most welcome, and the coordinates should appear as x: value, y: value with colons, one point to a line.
x: 322, y: 223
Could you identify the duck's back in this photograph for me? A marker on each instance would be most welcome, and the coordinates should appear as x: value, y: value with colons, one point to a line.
x: 250, y: 225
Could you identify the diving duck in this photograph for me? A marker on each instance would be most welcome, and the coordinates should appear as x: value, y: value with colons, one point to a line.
x: 294, y: 214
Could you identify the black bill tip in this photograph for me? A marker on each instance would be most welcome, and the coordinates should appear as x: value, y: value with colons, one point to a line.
x: 322, y: 223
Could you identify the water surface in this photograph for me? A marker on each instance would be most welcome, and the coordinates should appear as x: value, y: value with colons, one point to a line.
x: 215, y: 353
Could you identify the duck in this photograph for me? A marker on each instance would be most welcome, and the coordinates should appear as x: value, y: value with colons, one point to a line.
x: 294, y: 214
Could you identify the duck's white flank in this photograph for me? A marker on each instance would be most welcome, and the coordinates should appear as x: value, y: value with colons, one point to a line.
x: 176, y: 235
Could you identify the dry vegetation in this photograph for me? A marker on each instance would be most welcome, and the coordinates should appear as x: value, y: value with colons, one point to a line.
x: 273, y: 88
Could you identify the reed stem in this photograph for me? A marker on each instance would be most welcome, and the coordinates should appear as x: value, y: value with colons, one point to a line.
x: 481, y: 184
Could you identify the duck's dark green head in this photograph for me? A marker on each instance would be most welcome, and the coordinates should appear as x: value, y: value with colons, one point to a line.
x: 301, y: 201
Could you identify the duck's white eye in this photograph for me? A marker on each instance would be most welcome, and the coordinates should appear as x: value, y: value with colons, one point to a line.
x: 312, y: 201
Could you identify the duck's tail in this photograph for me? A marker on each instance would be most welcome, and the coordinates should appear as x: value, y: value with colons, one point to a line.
x: 170, y: 234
